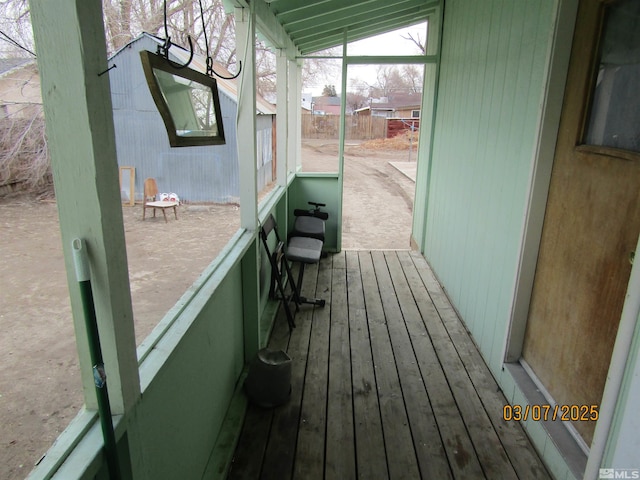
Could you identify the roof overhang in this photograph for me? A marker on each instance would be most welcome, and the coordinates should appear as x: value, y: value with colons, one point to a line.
x: 315, y: 25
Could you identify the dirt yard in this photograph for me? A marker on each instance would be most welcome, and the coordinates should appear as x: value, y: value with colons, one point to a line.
x: 40, y: 388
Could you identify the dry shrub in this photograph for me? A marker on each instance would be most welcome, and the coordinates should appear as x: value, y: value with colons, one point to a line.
x: 402, y: 141
x: 24, y: 158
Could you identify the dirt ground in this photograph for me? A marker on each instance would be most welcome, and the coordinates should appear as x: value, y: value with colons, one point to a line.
x: 40, y: 388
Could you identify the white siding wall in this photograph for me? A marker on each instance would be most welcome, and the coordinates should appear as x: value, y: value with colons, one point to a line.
x: 490, y: 95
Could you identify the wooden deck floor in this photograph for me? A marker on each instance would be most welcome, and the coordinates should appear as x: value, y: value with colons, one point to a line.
x: 386, y: 383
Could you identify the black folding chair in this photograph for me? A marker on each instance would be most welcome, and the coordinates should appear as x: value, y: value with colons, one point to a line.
x: 304, y: 250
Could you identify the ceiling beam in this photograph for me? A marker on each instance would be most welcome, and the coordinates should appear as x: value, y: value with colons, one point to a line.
x: 268, y: 26
x: 356, y: 32
x: 347, y: 16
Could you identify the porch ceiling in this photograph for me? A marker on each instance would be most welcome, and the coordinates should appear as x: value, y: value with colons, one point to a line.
x: 320, y: 24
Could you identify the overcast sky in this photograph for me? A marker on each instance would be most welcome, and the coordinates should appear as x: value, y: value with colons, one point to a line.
x: 390, y: 43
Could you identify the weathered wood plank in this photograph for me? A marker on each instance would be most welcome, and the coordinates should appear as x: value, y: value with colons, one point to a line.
x: 249, y: 454
x: 517, y: 445
x: 484, y: 439
x: 428, y: 441
x: 310, y: 451
x: 370, y: 450
x: 401, y: 457
x: 340, y: 449
x: 388, y: 328
x: 280, y: 452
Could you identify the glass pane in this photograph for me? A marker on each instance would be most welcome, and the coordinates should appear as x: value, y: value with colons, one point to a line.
x: 320, y: 120
x: 615, y: 109
x: 404, y: 41
x: 190, y: 104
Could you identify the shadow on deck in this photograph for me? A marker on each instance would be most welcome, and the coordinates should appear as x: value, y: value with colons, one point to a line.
x: 386, y: 383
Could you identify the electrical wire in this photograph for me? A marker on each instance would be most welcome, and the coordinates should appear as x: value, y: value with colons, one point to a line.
x: 8, y: 39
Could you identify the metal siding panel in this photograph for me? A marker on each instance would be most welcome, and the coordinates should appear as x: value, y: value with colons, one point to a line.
x: 492, y: 82
x: 196, y: 174
x: 265, y: 150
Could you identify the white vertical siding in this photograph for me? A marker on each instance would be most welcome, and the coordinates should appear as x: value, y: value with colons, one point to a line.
x: 490, y: 94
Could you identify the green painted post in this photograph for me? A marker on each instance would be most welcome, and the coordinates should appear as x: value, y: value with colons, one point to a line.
x: 70, y: 44
x: 95, y: 350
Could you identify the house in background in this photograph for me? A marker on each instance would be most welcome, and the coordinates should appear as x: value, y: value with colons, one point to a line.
x: 195, y: 174
x: 397, y: 105
x: 306, y: 100
x: 401, y: 112
x: 19, y: 88
x: 325, y: 105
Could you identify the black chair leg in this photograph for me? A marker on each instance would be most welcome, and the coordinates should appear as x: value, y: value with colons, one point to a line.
x: 310, y: 301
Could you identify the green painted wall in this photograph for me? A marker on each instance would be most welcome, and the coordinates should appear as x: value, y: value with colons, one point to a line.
x: 319, y: 188
x: 184, y: 405
x: 491, y: 87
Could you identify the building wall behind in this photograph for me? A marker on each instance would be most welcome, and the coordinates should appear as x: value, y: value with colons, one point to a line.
x: 196, y: 174
x: 493, y: 72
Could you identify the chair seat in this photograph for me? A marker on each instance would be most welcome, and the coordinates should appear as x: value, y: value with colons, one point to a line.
x: 306, y: 226
x: 162, y: 204
x: 304, y: 249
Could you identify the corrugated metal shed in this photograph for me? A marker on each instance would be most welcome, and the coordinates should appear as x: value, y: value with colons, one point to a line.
x: 196, y: 174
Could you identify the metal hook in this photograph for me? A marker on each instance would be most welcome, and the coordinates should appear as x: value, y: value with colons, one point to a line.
x: 110, y: 68
x: 210, y: 70
x: 164, y: 52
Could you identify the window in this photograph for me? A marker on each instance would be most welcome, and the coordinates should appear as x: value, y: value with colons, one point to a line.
x: 614, y: 119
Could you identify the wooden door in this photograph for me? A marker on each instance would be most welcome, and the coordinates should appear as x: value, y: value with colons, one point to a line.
x: 592, y: 220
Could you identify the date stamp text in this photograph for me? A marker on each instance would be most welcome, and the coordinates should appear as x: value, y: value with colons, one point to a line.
x: 543, y: 413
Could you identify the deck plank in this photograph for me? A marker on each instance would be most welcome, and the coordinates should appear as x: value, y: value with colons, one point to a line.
x: 448, y: 427
x: 340, y: 459
x: 399, y: 444
x: 370, y: 452
x: 280, y: 452
x: 386, y: 383
x: 402, y: 317
x: 310, y: 451
x: 486, y: 443
x: 517, y: 445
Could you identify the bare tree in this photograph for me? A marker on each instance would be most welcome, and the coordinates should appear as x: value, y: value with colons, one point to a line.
x: 413, y: 76
x: 321, y: 71
x: 418, y: 43
x: 356, y: 101
x: 15, y: 25
x: 24, y: 158
x: 357, y: 94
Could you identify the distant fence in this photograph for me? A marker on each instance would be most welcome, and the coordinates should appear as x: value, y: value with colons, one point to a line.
x: 399, y: 125
x: 356, y: 127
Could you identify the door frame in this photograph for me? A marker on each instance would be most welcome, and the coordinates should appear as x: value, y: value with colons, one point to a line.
x: 540, y: 177
x: 531, y: 234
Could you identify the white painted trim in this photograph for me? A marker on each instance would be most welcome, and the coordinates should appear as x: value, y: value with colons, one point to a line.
x: 293, y: 132
x: 540, y: 175
x: 617, y: 367
x: 245, y: 40
x: 282, y: 117
x: 552, y: 401
x: 341, y: 140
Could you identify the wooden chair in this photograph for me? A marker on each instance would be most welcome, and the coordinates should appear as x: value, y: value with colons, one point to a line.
x: 149, y: 200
